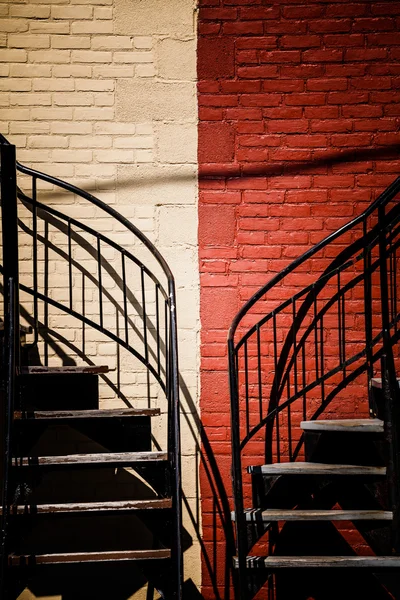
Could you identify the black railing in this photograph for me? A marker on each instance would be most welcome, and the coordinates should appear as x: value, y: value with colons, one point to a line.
x: 311, y: 335
x: 126, y: 294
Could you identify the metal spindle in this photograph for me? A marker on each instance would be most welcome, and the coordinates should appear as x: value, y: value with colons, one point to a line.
x: 321, y: 330
x: 83, y: 313
x: 246, y: 383
x: 70, y: 264
x: 294, y: 341
x: 315, y: 334
x: 46, y: 292
x: 35, y: 260
x: 339, y: 319
x: 144, y: 316
x: 304, y: 381
x: 125, y: 298
x: 259, y: 374
x: 158, y: 328
x: 100, y: 280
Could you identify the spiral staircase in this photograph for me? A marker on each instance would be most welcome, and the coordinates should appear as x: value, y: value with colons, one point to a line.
x: 91, y: 499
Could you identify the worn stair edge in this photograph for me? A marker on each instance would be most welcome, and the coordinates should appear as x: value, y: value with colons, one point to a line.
x: 321, y: 562
x: 121, y: 458
x: 60, y: 415
x: 87, y: 369
x: 309, y: 468
x: 376, y: 382
x: 84, y: 557
x: 344, y: 425
x: 276, y: 514
x: 90, y: 507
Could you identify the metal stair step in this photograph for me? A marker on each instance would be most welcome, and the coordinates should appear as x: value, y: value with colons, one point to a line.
x: 87, y: 557
x: 344, y: 425
x: 90, y: 507
x: 376, y: 382
x: 60, y: 415
x: 88, y: 369
x: 277, y: 514
x: 309, y: 468
x: 319, y: 562
x: 111, y: 458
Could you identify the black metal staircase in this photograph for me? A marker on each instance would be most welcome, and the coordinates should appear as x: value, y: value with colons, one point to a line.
x: 315, y: 420
x: 90, y: 494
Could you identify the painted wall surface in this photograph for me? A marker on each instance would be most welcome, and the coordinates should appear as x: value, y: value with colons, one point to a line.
x: 102, y: 93
x: 299, y: 131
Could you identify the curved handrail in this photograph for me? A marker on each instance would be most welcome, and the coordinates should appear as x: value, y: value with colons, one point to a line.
x: 385, y: 197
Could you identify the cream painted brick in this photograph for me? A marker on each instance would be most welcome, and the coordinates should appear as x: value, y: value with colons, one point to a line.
x: 71, y: 156
x: 95, y: 85
x: 84, y: 141
x: 13, y: 25
x: 4, y: 70
x: 3, y: 40
x: 114, y: 128
x: 18, y: 140
x: 95, y: 2
x: 155, y: 100
x: 103, y: 12
x: 90, y: 56
x: 15, y: 85
x: 4, y: 126
x: 49, y: 27
x: 10, y: 56
x: 95, y: 170
x: 29, y: 127
x: 28, y: 41
x: 47, y: 141
x: 144, y: 128
x: 31, y: 99
x: 5, y: 99
x: 176, y: 143
x: 73, y: 99
x: 104, y: 99
x: 72, y: 71
x: 146, y: 71
x: 34, y: 156
x: 94, y: 114
x: 37, y: 12
x: 116, y: 71
x: 49, y: 114
x: 154, y: 17
x: 174, y: 184
x: 3, y: 10
x: 72, y: 12
x: 70, y: 41
x: 56, y: 56
x: 177, y: 59
x: 144, y: 156
x: 143, y: 42
x: 133, y: 57
x: 111, y: 42
x: 91, y: 27
x: 30, y: 71
x: 71, y: 128
x: 114, y: 156
x: 134, y: 142
x: 54, y: 85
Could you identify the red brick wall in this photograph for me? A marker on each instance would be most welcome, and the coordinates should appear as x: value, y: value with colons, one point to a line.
x: 299, y: 130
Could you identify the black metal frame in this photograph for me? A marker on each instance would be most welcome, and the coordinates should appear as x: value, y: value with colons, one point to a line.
x: 284, y: 340
x: 163, y: 369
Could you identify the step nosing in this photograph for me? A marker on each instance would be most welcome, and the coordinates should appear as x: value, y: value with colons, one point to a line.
x: 90, y: 459
x: 81, y: 557
x: 88, y: 507
x: 276, y: 514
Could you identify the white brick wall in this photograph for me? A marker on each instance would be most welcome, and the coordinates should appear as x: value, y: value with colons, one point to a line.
x: 102, y: 93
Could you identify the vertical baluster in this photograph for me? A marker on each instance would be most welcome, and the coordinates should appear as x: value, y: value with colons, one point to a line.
x: 395, y: 287
x: 339, y: 303
x: 321, y: 333
x: 46, y: 292
x: 343, y: 335
x: 125, y: 298
x: 246, y: 384
x: 259, y: 374
x: 144, y: 316
x: 118, y: 353
x: 35, y: 259
x: 391, y: 275
x: 315, y: 321
x: 304, y: 380
x: 274, y: 391
x: 289, y: 424
x: 166, y: 345
x: 278, y: 438
x: 70, y: 264
x: 294, y: 341
x: 158, y: 328
x: 83, y: 313
x: 100, y: 281
x: 368, y: 308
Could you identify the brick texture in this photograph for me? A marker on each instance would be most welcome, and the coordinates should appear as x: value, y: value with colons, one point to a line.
x: 311, y: 106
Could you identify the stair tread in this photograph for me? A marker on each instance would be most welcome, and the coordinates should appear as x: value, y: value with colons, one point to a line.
x: 376, y: 382
x: 78, y: 507
x: 300, y: 468
x: 88, y: 369
x: 282, y: 562
x: 278, y: 514
x: 91, y: 459
x: 85, y: 414
x: 342, y: 425
x: 81, y: 557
